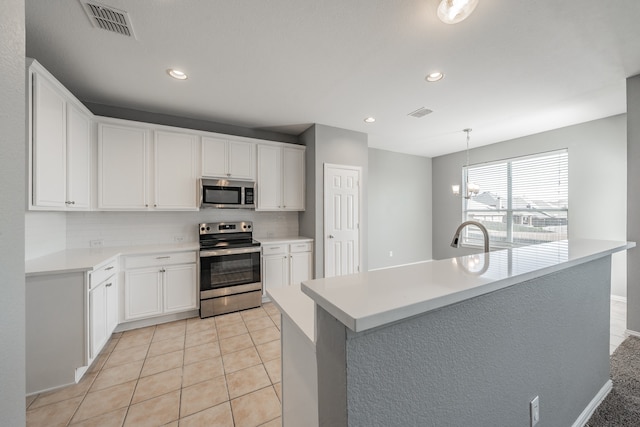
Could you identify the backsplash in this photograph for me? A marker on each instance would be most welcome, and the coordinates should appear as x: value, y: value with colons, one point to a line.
x: 48, y: 232
x: 45, y: 232
x: 143, y: 228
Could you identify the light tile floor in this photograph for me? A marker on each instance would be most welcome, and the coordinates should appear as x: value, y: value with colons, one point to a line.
x: 221, y: 371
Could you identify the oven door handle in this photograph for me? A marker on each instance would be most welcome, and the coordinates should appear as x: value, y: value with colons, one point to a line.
x: 236, y: 251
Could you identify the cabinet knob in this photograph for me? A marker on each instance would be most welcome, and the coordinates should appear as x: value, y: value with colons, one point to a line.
x: 108, y: 285
x: 162, y: 270
x: 155, y: 206
x: 146, y: 205
x: 69, y: 202
x: 228, y: 174
x: 331, y: 236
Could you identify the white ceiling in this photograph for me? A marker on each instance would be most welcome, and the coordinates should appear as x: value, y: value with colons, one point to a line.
x: 513, y: 68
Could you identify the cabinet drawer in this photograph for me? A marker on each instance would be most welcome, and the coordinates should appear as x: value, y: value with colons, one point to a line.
x: 274, y: 249
x: 160, y: 259
x: 300, y: 247
x: 100, y: 275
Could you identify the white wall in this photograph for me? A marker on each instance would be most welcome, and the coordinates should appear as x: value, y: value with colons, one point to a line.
x: 597, y: 184
x: 399, y: 208
x: 12, y: 203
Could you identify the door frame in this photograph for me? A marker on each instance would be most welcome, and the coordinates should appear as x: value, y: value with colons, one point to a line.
x: 357, y: 169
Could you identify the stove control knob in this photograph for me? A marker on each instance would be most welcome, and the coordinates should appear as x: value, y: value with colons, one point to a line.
x: 208, y: 228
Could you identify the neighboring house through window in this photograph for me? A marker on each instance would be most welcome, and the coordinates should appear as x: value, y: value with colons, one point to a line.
x: 521, y: 201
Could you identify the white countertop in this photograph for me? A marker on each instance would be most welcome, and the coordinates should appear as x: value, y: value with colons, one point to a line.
x: 87, y: 259
x: 276, y: 240
x: 366, y: 300
x: 297, y: 306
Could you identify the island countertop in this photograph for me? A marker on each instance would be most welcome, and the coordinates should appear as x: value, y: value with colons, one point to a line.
x: 367, y: 300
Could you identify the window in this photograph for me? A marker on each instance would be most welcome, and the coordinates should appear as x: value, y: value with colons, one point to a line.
x: 521, y: 201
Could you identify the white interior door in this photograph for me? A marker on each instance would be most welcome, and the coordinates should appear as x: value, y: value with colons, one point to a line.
x: 341, y: 220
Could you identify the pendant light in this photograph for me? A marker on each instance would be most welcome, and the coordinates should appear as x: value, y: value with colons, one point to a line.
x: 454, y: 11
x: 470, y: 188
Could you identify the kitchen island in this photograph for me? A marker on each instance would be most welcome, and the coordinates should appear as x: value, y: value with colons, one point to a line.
x: 463, y: 341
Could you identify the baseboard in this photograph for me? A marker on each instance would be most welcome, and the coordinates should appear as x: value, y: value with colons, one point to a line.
x: 618, y: 298
x: 630, y: 333
x: 593, y: 405
x: 126, y: 326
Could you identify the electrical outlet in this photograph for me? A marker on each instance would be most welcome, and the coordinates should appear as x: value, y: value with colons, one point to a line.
x: 98, y: 243
x: 178, y: 239
x: 535, y: 411
x: 390, y: 253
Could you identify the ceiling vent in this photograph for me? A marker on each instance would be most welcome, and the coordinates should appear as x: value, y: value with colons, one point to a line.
x: 420, y: 112
x: 108, y: 18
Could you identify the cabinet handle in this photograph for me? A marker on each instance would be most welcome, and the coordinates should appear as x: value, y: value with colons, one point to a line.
x: 108, y: 285
x: 163, y: 257
x: 109, y: 268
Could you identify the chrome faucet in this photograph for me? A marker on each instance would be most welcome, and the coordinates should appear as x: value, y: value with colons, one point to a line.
x: 456, y: 237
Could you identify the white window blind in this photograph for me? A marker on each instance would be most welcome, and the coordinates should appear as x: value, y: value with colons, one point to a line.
x: 521, y: 201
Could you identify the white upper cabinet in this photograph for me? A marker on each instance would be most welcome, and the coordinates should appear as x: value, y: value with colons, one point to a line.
x: 134, y: 174
x: 60, y: 135
x: 122, y: 167
x: 281, y: 177
x: 228, y: 159
x: 176, y: 175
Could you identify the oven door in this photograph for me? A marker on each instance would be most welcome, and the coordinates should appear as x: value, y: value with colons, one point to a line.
x: 229, y: 271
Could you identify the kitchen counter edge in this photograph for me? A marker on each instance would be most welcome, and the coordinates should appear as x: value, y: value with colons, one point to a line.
x: 88, y: 259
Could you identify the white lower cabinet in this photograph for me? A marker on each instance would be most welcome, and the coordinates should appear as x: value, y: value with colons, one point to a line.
x: 159, y: 284
x: 286, y: 263
x: 103, y: 307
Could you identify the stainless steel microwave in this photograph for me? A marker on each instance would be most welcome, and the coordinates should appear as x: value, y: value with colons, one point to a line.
x: 225, y: 194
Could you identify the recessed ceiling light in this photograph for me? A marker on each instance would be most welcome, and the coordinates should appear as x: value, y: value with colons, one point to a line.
x: 177, y: 74
x: 434, y: 77
x: 370, y: 119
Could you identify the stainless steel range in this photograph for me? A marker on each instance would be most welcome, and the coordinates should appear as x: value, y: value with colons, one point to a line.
x: 229, y: 268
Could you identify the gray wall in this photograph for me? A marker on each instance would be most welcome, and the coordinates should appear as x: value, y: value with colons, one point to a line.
x: 188, y: 123
x: 326, y: 144
x: 480, y: 362
x: 633, y: 202
x: 597, y: 185
x: 399, y: 208
x: 12, y: 189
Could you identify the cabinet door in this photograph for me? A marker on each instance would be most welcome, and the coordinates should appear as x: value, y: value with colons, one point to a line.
x: 300, y: 267
x: 269, y: 181
x: 241, y: 160
x: 143, y: 293
x: 293, y: 179
x: 214, y: 157
x: 49, y: 145
x: 175, y: 171
x: 111, y: 291
x: 97, y: 320
x: 78, y: 159
x: 180, y: 288
x: 275, y: 271
x: 122, y: 167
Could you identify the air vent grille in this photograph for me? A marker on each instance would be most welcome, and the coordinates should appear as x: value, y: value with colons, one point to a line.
x: 420, y: 112
x: 109, y: 18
